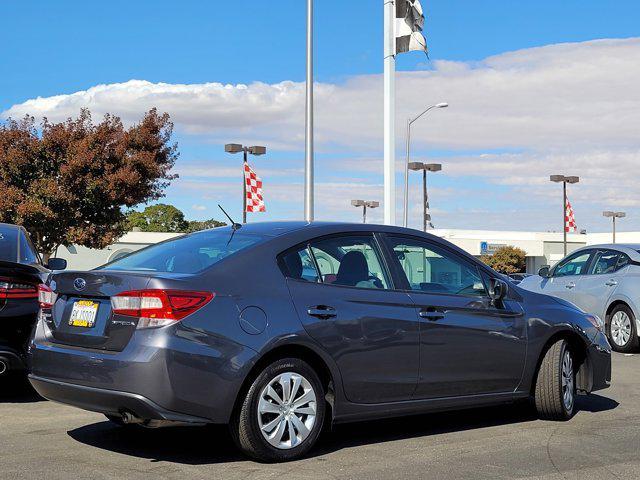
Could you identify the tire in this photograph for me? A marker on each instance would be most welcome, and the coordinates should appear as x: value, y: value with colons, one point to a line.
x: 554, y: 382
x: 260, y: 415
x: 621, y: 329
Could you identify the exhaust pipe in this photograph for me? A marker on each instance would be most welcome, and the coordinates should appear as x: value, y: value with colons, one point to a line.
x: 130, y: 419
x: 4, y: 368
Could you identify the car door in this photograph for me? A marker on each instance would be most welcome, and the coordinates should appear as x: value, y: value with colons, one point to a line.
x: 467, y: 345
x: 344, y: 297
x: 566, y: 276
x: 602, y: 279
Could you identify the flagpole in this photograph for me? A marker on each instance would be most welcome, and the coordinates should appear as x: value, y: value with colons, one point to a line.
x: 389, y: 112
x: 309, y: 154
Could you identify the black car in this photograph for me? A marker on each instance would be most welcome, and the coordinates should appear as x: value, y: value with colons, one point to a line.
x: 278, y: 329
x: 21, y: 271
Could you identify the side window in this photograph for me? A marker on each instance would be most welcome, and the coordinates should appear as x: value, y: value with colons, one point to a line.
x: 574, y: 265
x: 27, y: 253
x: 432, y: 269
x: 298, y: 264
x: 350, y: 261
x: 604, y: 262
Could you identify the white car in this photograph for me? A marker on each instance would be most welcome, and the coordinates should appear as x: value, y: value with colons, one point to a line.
x: 603, y: 280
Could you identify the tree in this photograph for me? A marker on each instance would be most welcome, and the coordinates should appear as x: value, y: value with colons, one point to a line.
x: 167, y: 218
x: 197, y: 225
x: 507, y: 260
x: 158, y: 218
x: 68, y: 182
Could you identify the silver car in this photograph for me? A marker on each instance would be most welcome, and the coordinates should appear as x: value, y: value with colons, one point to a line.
x: 603, y: 280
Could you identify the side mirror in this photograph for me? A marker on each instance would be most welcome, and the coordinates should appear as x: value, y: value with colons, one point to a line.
x: 56, y: 264
x: 497, y: 290
x: 544, y: 272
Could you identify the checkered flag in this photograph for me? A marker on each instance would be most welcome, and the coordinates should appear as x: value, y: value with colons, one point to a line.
x: 409, y: 25
x: 569, y: 219
x: 253, y: 190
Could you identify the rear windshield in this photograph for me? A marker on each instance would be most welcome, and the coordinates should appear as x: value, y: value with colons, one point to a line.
x: 188, y: 254
x: 8, y: 244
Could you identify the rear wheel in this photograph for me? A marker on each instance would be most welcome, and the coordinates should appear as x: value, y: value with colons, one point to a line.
x: 621, y: 329
x: 556, y: 383
x: 282, y: 414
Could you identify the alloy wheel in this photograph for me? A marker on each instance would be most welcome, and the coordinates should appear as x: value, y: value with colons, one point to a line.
x: 621, y: 328
x: 567, y: 381
x: 287, y: 410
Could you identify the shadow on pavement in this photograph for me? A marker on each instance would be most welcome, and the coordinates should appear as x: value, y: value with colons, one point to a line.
x: 187, y: 445
x: 595, y: 403
x: 16, y: 388
x: 213, y: 444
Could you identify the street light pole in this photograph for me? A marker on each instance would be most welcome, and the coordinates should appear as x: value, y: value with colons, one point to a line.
x: 256, y: 150
x: 410, y: 122
x: 425, y: 167
x: 309, y: 152
x: 564, y: 180
x: 564, y: 216
x: 365, y: 204
x: 613, y: 216
x: 244, y: 187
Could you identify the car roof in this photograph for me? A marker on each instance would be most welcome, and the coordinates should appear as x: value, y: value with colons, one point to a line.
x: 274, y: 229
x: 281, y: 231
x: 10, y: 226
x: 631, y: 249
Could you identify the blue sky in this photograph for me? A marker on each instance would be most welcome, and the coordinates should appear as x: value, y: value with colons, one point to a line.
x: 59, y: 48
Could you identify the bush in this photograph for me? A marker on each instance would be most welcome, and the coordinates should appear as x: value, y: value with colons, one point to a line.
x: 507, y: 259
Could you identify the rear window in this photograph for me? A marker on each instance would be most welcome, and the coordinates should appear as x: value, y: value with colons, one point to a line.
x: 188, y: 254
x: 8, y: 244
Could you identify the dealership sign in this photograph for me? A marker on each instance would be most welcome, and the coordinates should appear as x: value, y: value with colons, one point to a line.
x: 487, y: 248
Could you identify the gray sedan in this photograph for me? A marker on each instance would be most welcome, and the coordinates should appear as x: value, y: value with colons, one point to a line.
x: 603, y: 280
x: 281, y: 329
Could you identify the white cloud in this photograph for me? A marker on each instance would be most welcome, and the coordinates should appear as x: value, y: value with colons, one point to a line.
x: 570, y: 108
x: 567, y: 95
x: 199, y: 208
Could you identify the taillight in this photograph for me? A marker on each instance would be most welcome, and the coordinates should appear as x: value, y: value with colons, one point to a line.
x: 9, y: 289
x: 157, y: 308
x: 46, y: 296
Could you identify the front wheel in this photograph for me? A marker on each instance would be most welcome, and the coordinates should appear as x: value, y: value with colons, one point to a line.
x: 281, y: 416
x: 621, y: 329
x: 556, y: 383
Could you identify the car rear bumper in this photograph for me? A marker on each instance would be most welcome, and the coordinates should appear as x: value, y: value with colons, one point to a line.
x: 161, y: 372
x: 11, y: 360
x: 109, y: 402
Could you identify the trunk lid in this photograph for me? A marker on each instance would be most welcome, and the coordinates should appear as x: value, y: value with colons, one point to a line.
x: 92, y: 290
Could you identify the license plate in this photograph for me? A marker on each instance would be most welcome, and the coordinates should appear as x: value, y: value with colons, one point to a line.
x: 83, y: 314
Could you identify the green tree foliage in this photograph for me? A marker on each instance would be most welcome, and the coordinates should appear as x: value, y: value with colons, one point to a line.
x: 158, y: 218
x: 167, y: 218
x: 197, y: 225
x: 507, y: 259
x: 68, y: 182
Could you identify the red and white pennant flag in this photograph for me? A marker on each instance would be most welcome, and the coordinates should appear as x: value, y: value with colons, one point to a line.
x: 253, y: 189
x: 569, y: 219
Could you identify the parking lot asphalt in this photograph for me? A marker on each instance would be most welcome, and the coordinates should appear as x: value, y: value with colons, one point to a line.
x: 44, y: 440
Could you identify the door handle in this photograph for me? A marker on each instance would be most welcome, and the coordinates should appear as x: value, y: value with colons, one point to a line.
x: 570, y: 285
x: 611, y: 283
x: 322, y: 312
x: 431, y: 314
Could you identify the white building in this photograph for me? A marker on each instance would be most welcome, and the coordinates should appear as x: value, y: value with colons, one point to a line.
x: 543, y: 248
x: 83, y: 258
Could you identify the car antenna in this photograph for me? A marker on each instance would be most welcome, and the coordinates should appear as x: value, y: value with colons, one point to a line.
x: 234, y: 225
